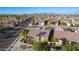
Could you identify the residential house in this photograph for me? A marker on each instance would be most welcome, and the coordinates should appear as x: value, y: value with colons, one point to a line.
x: 68, y: 35
x: 40, y: 22
x: 38, y: 33
x: 7, y: 26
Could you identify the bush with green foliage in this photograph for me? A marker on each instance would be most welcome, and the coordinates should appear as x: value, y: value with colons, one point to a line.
x: 72, y: 29
x: 49, y: 22
x: 41, y: 46
x: 61, y: 22
x: 72, y: 25
x: 8, y: 19
x: 24, y: 33
x: 54, y: 39
x: 70, y: 47
x: 33, y: 22
x: 24, y: 40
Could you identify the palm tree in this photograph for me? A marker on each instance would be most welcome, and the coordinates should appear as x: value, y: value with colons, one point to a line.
x: 33, y: 22
x: 24, y: 33
x: 70, y: 47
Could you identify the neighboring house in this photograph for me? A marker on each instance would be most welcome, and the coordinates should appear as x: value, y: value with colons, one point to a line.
x: 40, y: 22
x: 30, y: 24
x: 39, y: 33
x: 71, y: 21
x: 7, y: 26
x: 56, y: 24
x: 67, y: 23
x: 68, y: 35
x: 76, y: 21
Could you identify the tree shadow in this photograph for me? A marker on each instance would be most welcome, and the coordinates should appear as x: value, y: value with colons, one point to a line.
x: 64, y: 40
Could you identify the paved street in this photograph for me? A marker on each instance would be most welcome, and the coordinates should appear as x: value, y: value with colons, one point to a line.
x: 7, y: 39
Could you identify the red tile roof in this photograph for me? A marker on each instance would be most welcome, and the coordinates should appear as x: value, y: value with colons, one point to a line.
x: 70, y: 36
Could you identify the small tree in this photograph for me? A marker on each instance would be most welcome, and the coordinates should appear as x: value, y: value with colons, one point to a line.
x: 49, y: 22
x: 61, y: 22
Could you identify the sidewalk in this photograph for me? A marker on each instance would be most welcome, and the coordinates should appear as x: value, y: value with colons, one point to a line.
x: 16, y: 46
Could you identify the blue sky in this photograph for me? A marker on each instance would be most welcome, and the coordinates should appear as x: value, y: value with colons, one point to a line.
x: 32, y: 10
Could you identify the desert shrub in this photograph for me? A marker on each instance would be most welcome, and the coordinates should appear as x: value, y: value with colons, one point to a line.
x: 70, y: 47
x: 41, y: 46
x: 55, y: 39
